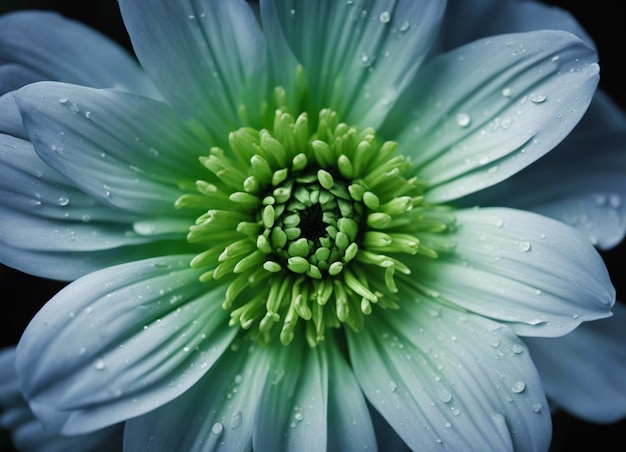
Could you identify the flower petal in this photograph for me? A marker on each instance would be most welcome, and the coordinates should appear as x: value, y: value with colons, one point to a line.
x: 291, y: 414
x: 349, y: 424
x: 27, y: 432
x: 217, y: 412
x: 591, y: 197
x: 127, y: 151
x: 10, y: 118
x: 52, y: 229
x: 206, y: 56
x: 454, y: 380
x: 357, y: 56
x: 468, y: 20
x: 488, y: 109
x: 120, y: 342
x: 584, y: 372
x: 539, y: 275
x: 32, y: 49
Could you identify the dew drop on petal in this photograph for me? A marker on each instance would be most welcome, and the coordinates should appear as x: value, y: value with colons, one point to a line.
x: 217, y: 428
x: 63, y: 201
x: 384, y: 17
x: 518, y: 387
x: 506, y: 92
x: 236, y: 420
x: 517, y: 349
x: 463, y: 119
x: 537, y: 98
x: 99, y: 364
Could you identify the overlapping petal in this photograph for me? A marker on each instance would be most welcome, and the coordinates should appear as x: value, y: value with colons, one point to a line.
x: 443, y: 378
x: 120, y: 342
x: 480, y: 113
x: 591, y: 197
x: 584, y: 372
x: 32, y: 49
x: 364, y: 53
x: 125, y: 150
x: 218, y: 412
x: 538, y: 275
x: 206, y: 56
x: 468, y: 20
x: 292, y: 411
x: 28, y: 433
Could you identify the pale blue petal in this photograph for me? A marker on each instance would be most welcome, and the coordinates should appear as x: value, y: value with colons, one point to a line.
x: 357, y: 56
x: 50, y: 228
x: 37, y: 45
x: 206, y: 56
x: 217, y: 413
x: 11, y: 119
x: 292, y: 412
x: 27, y: 432
x: 349, y: 424
x: 585, y: 372
x: 542, y: 277
x: 581, y: 182
x: 469, y: 20
x: 127, y: 151
x: 120, y: 342
x: 448, y: 380
x: 476, y: 115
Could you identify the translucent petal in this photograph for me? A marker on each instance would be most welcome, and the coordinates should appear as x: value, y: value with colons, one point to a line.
x: 120, y: 342
x: 28, y: 433
x: 584, y: 372
x: 349, y: 424
x: 292, y: 412
x: 540, y: 275
x: 32, y: 49
x: 357, y: 56
x: 445, y: 378
x: 475, y: 116
x: 217, y: 413
x: 591, y: 197
x: 206, y: 56
x: 468, y: 20
x: 127, y: 151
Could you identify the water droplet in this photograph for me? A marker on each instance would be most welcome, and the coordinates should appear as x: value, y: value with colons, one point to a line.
x: 236, y: 420
x: 615, y: 201
x: 63, y: 100
x: 298, y: 416
x: 217, y: 428
x: 99, y: 364
x: 455, y: 411
x: 463, y: 119
x: 445, y: 396
x: 88, y: 115
x: 74, y: 108
x: 536, y: 407
x: 365, y: 60
x: 524, y: 246
x: 405, y: 26
x: 63, y: 201
x: 495, y: 341
x: 518, y: 387
x: 517, y: 349
x: 384, y: 17
x: 506, y: 92
x: 537, y: 98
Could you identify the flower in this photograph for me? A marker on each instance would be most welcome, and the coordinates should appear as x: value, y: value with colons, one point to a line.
x: 314, y: 187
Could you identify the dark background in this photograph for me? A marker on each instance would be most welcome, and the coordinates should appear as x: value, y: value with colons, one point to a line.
x: 603, y: 20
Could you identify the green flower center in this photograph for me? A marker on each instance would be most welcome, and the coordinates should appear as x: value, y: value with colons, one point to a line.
x: 307, y: 226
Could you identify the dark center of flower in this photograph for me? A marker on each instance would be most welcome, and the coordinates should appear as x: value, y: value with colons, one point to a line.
x: 307, y: 226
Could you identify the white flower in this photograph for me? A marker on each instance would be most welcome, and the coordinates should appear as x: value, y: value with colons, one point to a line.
x: 314, y: 165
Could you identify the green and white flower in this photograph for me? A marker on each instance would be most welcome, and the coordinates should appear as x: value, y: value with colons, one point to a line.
x: 270, y: 244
